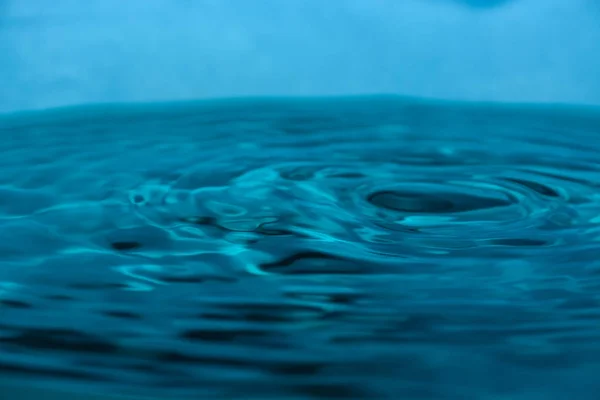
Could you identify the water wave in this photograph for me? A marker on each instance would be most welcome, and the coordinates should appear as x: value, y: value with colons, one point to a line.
x: 348, y: 248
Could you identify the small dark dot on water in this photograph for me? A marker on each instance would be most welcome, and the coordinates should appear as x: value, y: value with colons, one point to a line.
x: 14, y: 303
x: 122, y: 314
x: 125, y: 245
x: 59, y: 297
x: 519, y: 242
x: 138, y: 198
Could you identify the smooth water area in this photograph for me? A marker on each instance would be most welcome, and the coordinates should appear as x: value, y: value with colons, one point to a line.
x: 374, y: 247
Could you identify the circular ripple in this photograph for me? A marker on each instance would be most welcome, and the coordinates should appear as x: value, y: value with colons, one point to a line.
x: 426, y: 209
x: 361, y: 208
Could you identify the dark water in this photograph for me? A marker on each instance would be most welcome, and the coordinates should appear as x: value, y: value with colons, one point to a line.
x: 302, y: 249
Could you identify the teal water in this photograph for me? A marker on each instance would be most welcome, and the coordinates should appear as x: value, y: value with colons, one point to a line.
x: 374, y: 247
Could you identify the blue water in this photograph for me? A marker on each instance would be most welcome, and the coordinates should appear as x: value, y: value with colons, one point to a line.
x: 371, y: 247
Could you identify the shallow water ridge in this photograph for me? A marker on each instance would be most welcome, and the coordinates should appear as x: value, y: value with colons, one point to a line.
x: 300, y: 249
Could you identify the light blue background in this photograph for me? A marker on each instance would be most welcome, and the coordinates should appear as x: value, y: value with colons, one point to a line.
x: 61, y: 52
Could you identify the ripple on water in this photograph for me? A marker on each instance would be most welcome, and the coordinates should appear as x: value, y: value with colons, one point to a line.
x: 349, y: 248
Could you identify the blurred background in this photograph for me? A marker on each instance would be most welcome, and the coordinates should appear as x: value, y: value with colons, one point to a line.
x: 64, y: 52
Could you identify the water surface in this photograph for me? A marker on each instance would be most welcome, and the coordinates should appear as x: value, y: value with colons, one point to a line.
x: 374, y: 247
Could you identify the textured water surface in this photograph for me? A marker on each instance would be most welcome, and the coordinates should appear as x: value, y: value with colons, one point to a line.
x: 302, y: 249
